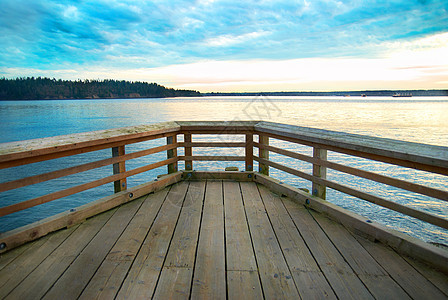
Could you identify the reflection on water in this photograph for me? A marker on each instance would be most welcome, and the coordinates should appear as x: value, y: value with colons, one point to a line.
x: 417, y: 119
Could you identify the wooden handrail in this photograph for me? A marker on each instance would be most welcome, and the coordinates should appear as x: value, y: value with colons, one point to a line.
x: 428, y: 158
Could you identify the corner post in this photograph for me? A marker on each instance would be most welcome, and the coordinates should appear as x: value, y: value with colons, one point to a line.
x: 249, y: 155
x: 171, y: 153
x: 264, y: 154
x: 120, y: 167
x: 319, y: 171
x: 188, y: 152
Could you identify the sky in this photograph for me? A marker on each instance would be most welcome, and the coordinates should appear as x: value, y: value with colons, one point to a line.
x: 231, y: 45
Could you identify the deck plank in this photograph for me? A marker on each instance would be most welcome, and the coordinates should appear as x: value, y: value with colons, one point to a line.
x: 240, y: 253
x: 176, y: 277
x: 215, y: 239
x: 415, y: 284
x: 309, y: 279
x: 341, y: 277
x: 110, y: 275
x: 7, y: 257
x: 141, y: 280
x: 28, y: 259
x: 244, y: 284
x: 242, y: 271
x: 38, y: 282
x: 375, y: 278
x: 174, y: 283
x: 71, y: 284
x: 436, y: 278
x: 276, y: 278
x: 209, y: 281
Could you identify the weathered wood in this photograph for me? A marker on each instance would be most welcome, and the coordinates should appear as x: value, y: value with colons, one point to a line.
x: 240, y: 254
x: 217, y: 127
x: 263, y: 153
x: 339, y: 274
x: 141, y: 280
x: 25, y: 152
x: 404, y: 274
x: 276, y: 279
x: 309, y: 279
x: 409, y: 186
x: 212, y: 158
x: 177, y: 273
x: 188, y: 143
x: 172, y: 153
x: 42, y: 278
x: 153, y: 257
x: 418, y: 214
x: 183, y: 245
x: 82, y: 187
x: 175, y: 283
x: 360, y: 225
x: 71, y: 284
x: 374, y: 277
x: 227, y: 175
x: 188, y: 151
x: 209, y: 280
x: 108, y: 278
x: 38, y: 229
x: 16, y: 271
x: 319, y: 171
x: 249, y: 152
x: 414, y: 155
x: 243, y: 284
x: 6, y: 186
x: 7, y: 257
x: 436, y: 278
x: 120, y: 167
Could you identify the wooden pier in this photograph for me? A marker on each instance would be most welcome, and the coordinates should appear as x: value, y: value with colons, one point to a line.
x: 218, y: 235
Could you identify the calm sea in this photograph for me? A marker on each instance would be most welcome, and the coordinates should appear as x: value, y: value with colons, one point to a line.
x: 416, y: 119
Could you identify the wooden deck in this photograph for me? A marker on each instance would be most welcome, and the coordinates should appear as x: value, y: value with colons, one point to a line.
x: 212, y: 240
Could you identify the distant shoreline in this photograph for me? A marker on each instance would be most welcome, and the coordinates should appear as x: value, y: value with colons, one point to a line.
x: 371, y: 93
x: 39, y: 88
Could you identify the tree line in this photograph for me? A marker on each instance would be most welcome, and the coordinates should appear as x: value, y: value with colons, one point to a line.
x: 41, y: 88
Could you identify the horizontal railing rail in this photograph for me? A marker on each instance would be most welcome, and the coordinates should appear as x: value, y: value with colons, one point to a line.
x: 22, y: 153
x: 256, y: 135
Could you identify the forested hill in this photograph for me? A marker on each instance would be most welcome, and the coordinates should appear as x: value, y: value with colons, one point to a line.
x: 31, y: 88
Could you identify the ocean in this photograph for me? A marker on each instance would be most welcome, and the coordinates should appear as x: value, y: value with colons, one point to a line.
x: 414, y: 119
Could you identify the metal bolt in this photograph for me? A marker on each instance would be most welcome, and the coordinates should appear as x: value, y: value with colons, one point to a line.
x: 131, y: 195
x: 2, y: 246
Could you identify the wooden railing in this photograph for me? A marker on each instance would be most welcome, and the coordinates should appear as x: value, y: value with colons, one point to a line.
x: 432, y: 159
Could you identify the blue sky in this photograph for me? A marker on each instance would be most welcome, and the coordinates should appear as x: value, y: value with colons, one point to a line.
x: 213, y: 45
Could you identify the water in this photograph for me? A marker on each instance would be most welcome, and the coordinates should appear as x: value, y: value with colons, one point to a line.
x: 416, y: 119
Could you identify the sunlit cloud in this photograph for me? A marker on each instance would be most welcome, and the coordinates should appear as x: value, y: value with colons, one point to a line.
x: 230, y: 45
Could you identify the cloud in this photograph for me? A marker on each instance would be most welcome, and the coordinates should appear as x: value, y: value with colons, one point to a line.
x: 123, y: 35
x: 228, y: 39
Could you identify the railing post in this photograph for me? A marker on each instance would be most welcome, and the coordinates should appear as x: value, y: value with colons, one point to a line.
x: 263, y: 153
x: 319, y: 171
x: 249, y: 152
x: 188, y: 152
x: 119, y: 185
x: 172, y: 153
